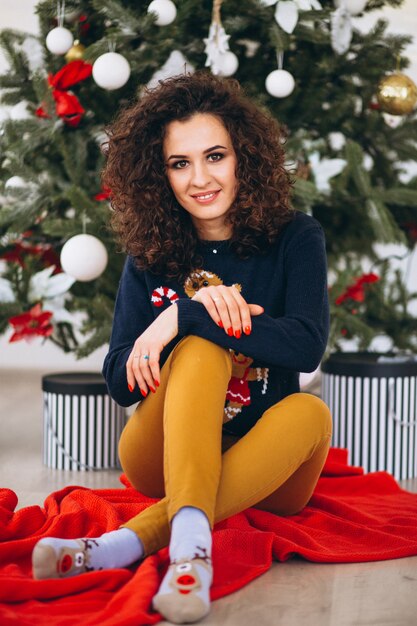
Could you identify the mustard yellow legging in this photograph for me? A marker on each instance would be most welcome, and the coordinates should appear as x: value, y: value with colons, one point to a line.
x: 172, y: 447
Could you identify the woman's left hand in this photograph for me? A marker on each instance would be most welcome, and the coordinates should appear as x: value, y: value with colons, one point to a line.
x: 228, y: 308
x: 142, y: 366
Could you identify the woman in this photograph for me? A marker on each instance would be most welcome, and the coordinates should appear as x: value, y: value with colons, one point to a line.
x: 222, y: 301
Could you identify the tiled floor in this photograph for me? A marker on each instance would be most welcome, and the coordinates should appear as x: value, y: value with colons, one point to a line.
x: 295, y: 593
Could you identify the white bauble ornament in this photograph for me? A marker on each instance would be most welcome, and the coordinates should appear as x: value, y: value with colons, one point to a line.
x: 353, y: 6
x: 165, y: 10
x: 59, y: 40
x: 279, y: 83
x: 14, y: 182
x: 227, y: 63
x: 111, y: 71
x: 84, y: 257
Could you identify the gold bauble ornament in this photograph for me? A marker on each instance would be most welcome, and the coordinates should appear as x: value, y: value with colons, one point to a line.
x: 75, y: 53
x: 397, y: 94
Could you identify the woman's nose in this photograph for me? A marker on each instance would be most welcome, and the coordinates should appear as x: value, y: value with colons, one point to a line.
x: 200, y: 176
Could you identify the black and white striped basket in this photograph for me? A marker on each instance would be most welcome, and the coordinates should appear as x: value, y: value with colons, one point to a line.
x: 374, y: 409
x: 82, y: 424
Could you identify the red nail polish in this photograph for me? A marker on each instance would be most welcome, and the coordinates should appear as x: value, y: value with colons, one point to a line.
x: 237, y: 334
x: 230, y: 332
x: 144, y: 393
x: 153, y: 390
x: 130, y: 387
x: 156, y: 383
x: 220, y: 324
x: 247, y: 330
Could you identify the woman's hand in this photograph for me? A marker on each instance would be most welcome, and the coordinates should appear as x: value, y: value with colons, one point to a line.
x: 142, y: 366
x: 228, y: 308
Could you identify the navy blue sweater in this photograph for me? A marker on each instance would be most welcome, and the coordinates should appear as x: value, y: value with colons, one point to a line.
x: 290, y: 282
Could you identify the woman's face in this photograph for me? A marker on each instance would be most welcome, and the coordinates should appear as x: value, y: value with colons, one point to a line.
x: 201, y: 169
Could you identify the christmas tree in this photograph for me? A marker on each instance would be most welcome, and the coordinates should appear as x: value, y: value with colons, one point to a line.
x: 340, y: 95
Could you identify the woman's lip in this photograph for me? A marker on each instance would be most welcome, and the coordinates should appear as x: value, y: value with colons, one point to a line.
x: 202, y: 200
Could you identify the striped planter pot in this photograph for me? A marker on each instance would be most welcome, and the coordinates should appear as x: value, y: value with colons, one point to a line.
x: 374, y: 408
x: 82, y: 424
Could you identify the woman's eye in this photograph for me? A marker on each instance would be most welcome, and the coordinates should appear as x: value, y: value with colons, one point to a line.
x: 216, y: 156
x: 179, y: 165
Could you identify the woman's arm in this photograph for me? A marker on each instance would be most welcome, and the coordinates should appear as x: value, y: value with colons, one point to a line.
x: 295, y: 341
x: 132, y: 316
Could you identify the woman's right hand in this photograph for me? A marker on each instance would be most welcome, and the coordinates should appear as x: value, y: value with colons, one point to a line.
x: 228, y: 308
x: 142, y: 366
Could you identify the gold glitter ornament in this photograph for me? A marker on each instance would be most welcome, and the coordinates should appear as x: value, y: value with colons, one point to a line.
x: 76, y: 52
x: 397, y: 94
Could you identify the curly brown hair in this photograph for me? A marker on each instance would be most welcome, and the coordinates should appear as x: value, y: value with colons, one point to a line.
x: 150, y: 223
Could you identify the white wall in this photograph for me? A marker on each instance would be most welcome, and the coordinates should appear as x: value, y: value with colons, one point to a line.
x: 20, y: 14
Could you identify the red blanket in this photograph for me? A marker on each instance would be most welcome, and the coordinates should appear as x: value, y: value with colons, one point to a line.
x: 351, y: 517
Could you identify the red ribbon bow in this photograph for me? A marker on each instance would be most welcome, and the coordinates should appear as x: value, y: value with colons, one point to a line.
x: 68, y: 107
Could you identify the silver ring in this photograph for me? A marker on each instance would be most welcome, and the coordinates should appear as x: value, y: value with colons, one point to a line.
x: 146, y: 357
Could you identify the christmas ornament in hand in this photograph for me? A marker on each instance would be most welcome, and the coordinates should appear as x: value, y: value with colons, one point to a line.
x: 165, y: 11
x: 84, y: 257
x: 111, y: 71
x: 397, y: 94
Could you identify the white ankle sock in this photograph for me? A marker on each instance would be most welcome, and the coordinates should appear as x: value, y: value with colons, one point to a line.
x: 190, y: 529
x: 60, y: 558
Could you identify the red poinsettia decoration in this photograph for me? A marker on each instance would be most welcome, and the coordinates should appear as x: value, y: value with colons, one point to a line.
x: 23, y: 247
x: 34, y: 322
x: 356, y: 291
x: 68, y: 107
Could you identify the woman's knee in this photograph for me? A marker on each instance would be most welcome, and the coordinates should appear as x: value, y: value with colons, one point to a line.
x: 318, y: 411
x: 305, y: 411
x: 196, y: 353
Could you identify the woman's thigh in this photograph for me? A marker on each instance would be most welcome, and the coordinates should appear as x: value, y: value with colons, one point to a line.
x: 141, y: 446
x: 312, y: 420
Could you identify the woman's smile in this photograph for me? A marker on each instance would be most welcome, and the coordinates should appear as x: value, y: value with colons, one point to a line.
x: 206, y: 198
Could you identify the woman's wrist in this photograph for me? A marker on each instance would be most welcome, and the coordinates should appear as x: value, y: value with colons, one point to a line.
x: 171, y: 318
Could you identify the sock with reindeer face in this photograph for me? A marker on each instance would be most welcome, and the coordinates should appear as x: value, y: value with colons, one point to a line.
x: 62, y: 558
x: 184, y: 594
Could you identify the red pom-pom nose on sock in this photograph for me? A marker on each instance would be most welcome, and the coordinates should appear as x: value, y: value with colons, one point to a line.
x: 185, y: 579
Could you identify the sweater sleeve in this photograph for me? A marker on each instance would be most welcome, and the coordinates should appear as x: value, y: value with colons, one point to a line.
x: 132, y: 315
x: 295, y: 341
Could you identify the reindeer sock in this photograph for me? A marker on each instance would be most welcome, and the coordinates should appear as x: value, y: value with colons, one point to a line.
x: 184, y: 594
x: 62, y: 558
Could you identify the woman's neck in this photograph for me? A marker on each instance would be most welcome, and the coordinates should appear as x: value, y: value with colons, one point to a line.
x: 215, y: 233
